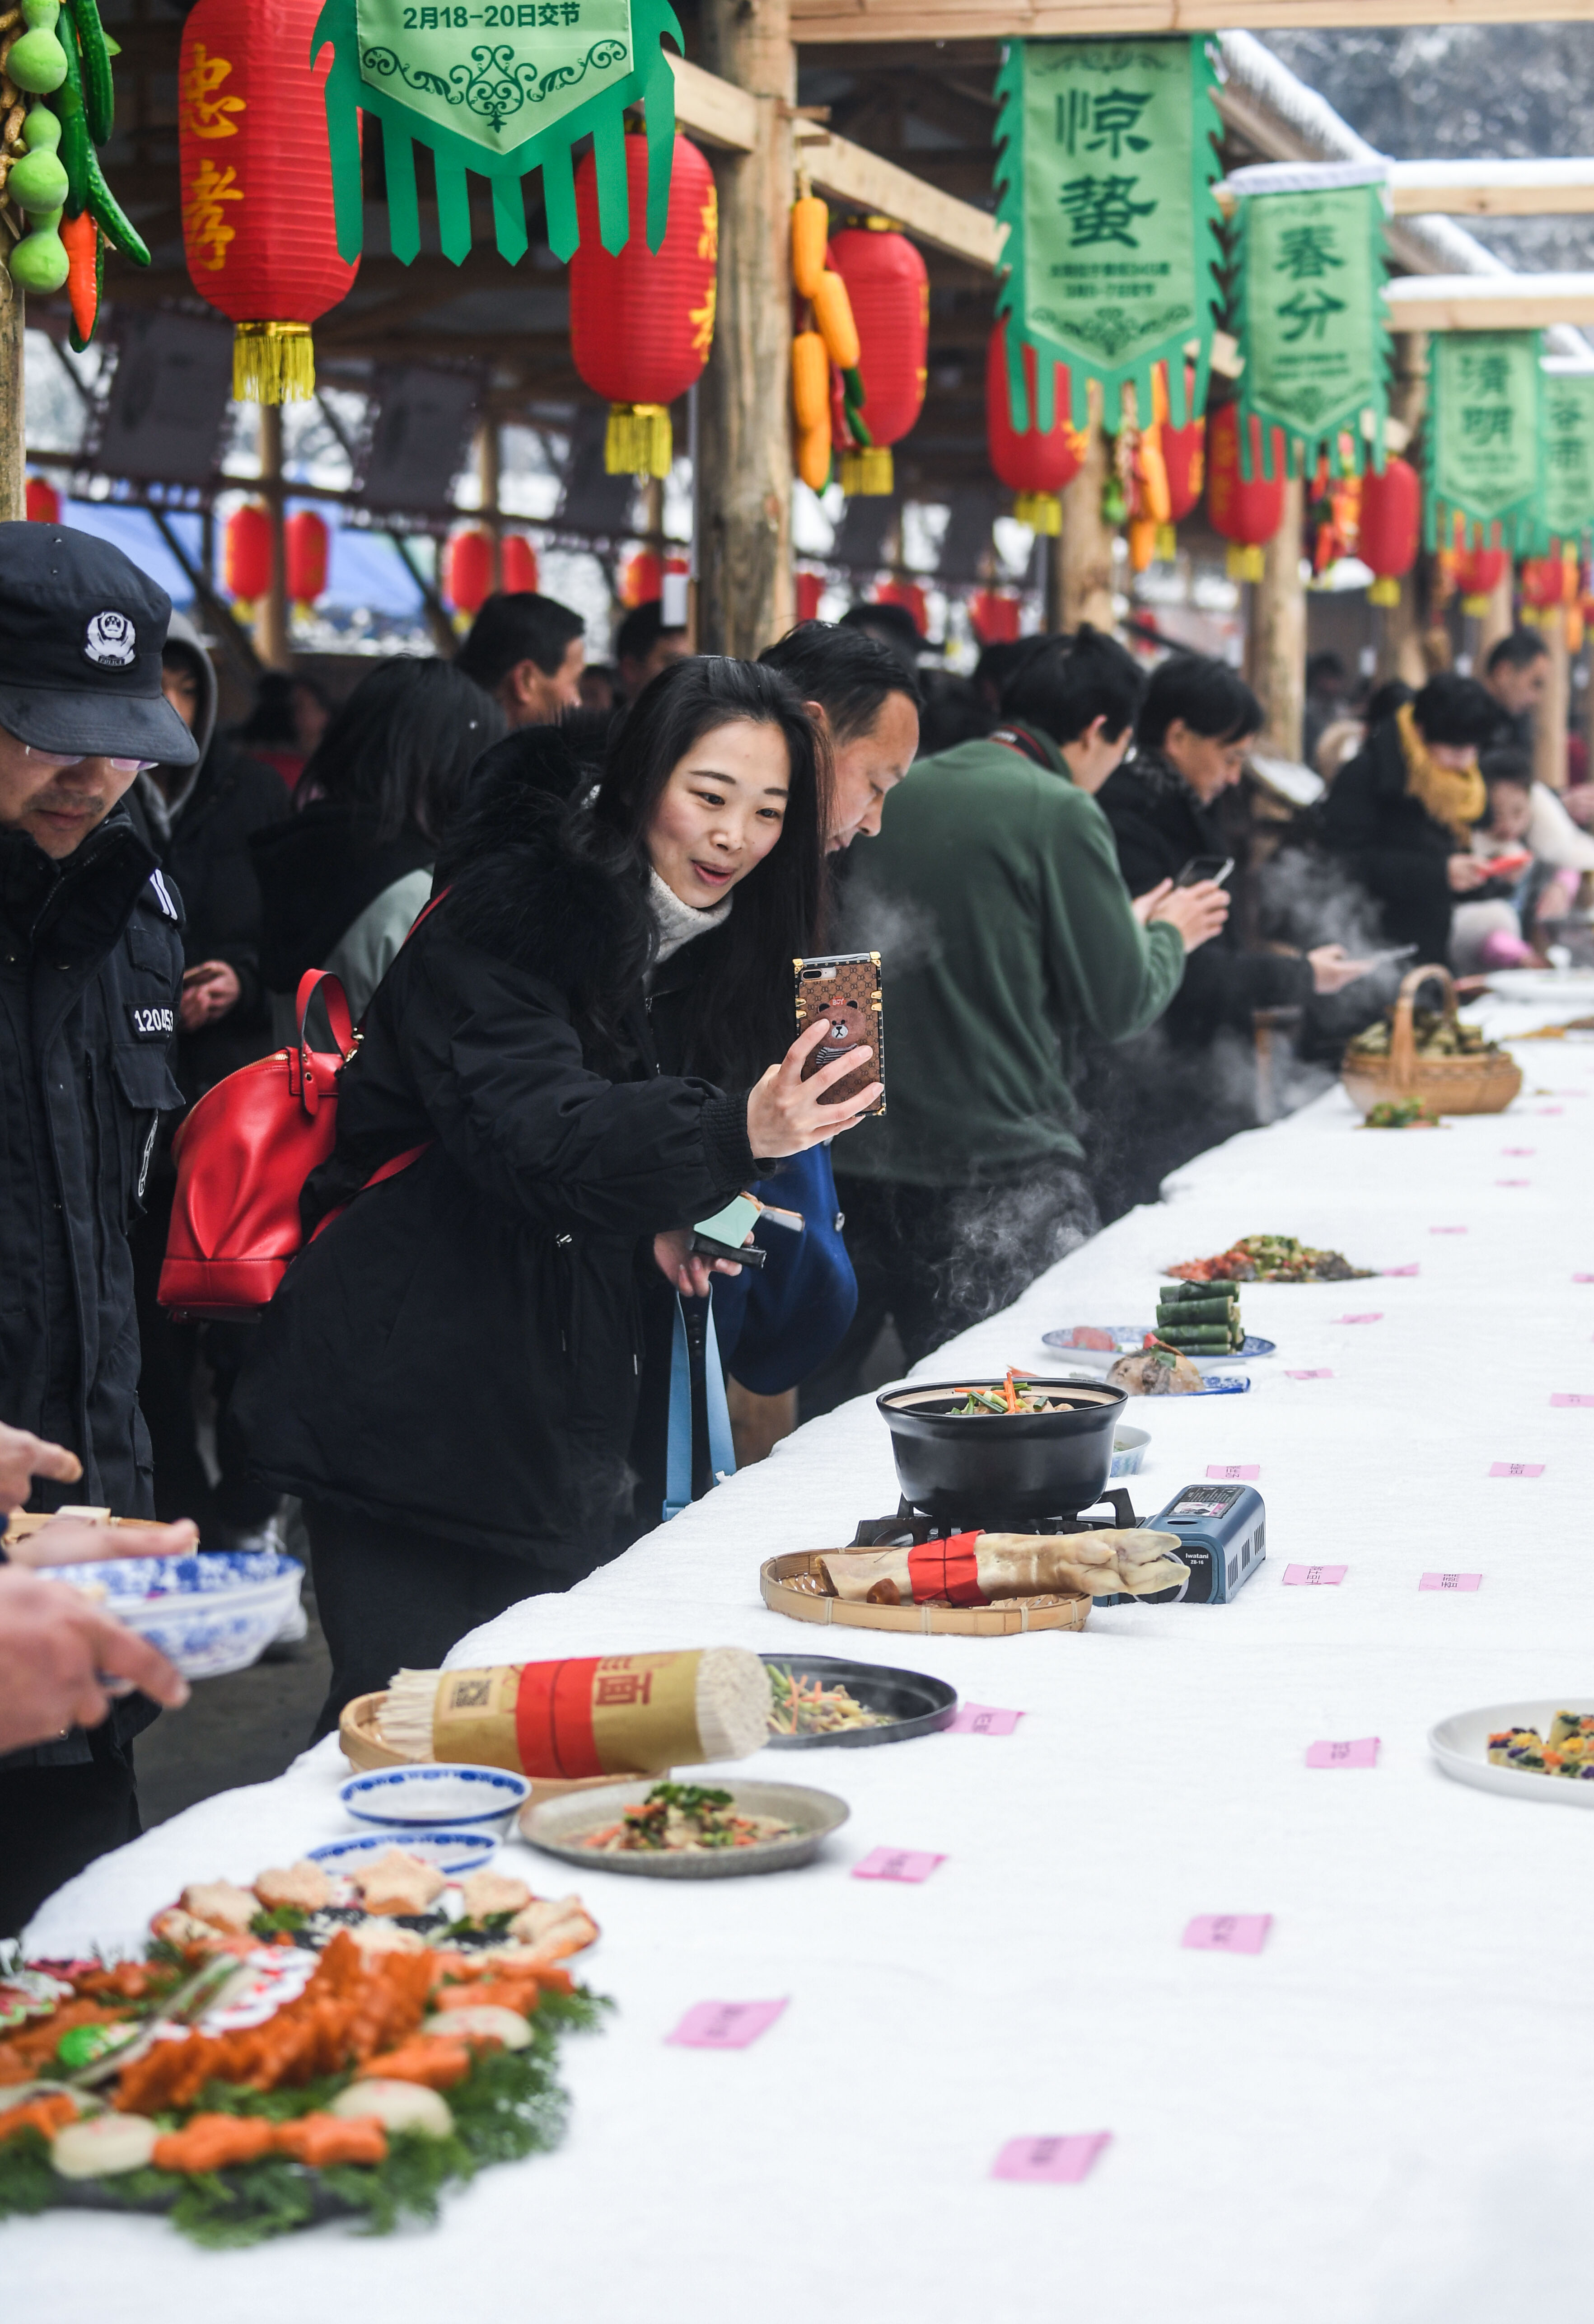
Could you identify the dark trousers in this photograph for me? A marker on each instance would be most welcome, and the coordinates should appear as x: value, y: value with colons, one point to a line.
x: 53, y: 1821
x: 392, y: 1600
x: 936, y: 1260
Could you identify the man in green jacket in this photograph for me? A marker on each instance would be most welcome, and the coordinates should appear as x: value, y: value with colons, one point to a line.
x: 1007, y: 936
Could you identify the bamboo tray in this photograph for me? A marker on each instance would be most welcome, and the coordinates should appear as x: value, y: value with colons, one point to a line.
x: 778, y: 1574
x: 1477, y: 1084
x: 364, y: 1749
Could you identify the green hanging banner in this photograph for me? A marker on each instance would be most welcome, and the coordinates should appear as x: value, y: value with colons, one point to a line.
x: 500, y: 88
x: 1106, y: 163
x: 1486, y: 435
x: 1310, y: 246
x: 1566, y: 509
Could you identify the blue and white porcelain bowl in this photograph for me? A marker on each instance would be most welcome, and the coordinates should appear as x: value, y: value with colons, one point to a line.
x: 426, y: 1798
x: 212, y: 1612
x: 453, y: 1852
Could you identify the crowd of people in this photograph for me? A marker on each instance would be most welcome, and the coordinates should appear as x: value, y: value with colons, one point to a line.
x: 563, y: 904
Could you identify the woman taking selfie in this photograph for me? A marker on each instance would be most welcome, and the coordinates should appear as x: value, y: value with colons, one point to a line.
x: 449, y: 1374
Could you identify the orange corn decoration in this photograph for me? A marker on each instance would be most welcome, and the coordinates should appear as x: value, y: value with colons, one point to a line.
x: 810, y: 382
x: 833, y: 312
x: 810, y: 231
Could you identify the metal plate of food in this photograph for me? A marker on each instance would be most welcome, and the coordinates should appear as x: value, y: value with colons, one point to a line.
x: 711, y: 1831
x: 895, y: 1704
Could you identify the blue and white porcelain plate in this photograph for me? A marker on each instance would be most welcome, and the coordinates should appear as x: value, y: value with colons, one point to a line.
x: 422, y: 1797
x: 452, y: 1852
x: 1128, y: 1339
x: 210, y: 1613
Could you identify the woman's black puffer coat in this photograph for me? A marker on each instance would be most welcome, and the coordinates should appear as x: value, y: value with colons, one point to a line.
x: 458, y: 1350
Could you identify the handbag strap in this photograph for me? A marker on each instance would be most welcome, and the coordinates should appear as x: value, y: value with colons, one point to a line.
x: 721, y: 1451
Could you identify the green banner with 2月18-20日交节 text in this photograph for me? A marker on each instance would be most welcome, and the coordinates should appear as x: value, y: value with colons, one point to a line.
x: 1485, y: 436
x: 1107, y: 161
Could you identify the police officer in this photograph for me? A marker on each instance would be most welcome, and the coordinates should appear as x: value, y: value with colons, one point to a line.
x: 90, y: 971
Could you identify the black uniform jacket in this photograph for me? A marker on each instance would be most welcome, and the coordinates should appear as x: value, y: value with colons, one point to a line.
x: 1392, y: 844
x: 459, y: 1350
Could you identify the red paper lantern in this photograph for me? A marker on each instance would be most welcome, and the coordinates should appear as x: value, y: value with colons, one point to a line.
x: 246, y: 553
x: 641, y: 322
x: 1185, y: 456
x: 468, y: 571
x: 810, y: 589
x: 641, y: 578
x: 305, y: 545
x: 1479, y: 573
x: 910, y: 597
x: 1545, y: 582
x: 1245, y: 511
x: 995, y: 618
x: 516, y: 563
x: 1035, y: 467
x: 44, y: 502
x: 257, y: 218
x: 889, y: 293
x: 1390, y: 527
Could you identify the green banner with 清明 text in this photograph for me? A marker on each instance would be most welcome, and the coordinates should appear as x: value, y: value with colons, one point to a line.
x: 1485, y: 436
x: 1311, y: 325
x: 1107, y: 160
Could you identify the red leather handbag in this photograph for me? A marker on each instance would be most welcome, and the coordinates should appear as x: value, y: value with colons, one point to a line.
x: 243, y: 1156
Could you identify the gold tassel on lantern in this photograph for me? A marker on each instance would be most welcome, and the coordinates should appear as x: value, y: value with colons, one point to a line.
x: 638, y: 441
x: 1167, y: 544
x: 1244, y: 563
x: 1385, y: 591
x: 273, y: 363
x: 1041, y: 511
x: 867, y: 473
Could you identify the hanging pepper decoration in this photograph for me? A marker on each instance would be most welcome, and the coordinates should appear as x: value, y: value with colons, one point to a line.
x: 827, y: 390
x: 51, y: 171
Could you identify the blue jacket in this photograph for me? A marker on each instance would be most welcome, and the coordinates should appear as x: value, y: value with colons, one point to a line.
x: 776, y: 1327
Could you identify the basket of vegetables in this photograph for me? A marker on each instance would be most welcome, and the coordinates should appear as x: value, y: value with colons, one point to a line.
x: 1429, y: 1055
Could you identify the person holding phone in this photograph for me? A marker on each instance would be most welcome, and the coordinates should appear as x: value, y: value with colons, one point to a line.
x: 450, y: 1375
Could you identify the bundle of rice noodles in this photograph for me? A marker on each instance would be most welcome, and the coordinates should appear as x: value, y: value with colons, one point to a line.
x: 972, y: 1569
x: 600, y: 1715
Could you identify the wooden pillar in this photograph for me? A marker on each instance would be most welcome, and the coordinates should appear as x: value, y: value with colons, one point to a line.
x: 1550, y: 718
x: 1498, y: 622
x: 490, y: 470
x: 12, y: 424
x: 1278, y: 632
x: 270, y: 627
x: 746, y: 597
x: 1083, y: 551
x: 1400, y: 629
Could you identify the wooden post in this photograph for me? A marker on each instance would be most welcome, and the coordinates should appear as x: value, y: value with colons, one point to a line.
x: 1278, y: 632
x: 1400, y: 630
x: 1496, y: 623
x: 1550, y: 718
x: 12, y: 424
x: 270, y: 627
x: 490, y: 469
x: 1083, y: 551
x: 746, y: 597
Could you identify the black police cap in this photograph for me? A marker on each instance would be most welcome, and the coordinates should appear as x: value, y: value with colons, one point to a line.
x: 81, y: 630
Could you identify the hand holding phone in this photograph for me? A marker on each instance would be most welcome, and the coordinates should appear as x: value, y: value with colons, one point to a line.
x: 1205, y: 867
x: 843, y: 989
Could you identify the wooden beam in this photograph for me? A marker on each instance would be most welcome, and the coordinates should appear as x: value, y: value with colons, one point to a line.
x: 1489, y: 302
x: 970, y: 20
x: 715, y: 111
x: 1492, y: 189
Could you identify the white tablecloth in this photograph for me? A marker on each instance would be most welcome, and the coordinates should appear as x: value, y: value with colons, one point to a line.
x: 1379, y: 2119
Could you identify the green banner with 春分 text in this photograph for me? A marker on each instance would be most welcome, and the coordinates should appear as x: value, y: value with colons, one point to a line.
x: 1311, y: 312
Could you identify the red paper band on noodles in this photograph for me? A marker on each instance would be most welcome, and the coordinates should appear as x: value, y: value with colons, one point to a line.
x: 553, y: 1719
x: 946, y: 1569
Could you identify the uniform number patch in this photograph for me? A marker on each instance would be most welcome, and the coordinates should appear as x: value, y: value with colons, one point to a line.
x: 150, y: 1024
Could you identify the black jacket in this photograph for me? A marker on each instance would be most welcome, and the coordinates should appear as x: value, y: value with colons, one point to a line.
x: 1393, y: 845
x: 460, y: 1349
x: 1158, y: 825
x: 318, y: 873
x: 90, y: 961
x: 208, y: 859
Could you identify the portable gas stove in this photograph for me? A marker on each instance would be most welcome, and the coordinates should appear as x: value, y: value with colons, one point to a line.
x: 910, y: 1527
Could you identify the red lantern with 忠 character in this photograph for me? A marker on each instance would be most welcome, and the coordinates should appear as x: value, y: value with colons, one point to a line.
x: 1245, y: 511
x: 1389, y: 528
x: 306, y: 544
x: 257, y: 220
x: 1035, y: 467
x: 890, y: 293
x: 517, y: 563
x: 641, y: 321
x: 994, y: 618
x: 246, y: 553
x: 468, y: 571
x: 44, y: 502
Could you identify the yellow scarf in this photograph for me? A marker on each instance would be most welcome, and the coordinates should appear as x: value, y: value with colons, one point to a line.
x: 1456, y: 799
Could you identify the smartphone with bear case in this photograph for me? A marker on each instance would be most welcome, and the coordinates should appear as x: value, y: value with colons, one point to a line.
x: 844, y: 987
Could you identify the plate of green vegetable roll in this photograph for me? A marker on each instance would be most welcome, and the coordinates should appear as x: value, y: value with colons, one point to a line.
x: 1201, y: 1320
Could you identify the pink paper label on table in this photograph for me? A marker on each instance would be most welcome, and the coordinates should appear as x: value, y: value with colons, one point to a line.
x: 1317, y: 1375
x: 1359, y: 1319
x: 980, y: 1719
x: 1412, y: 1270
x: 1571, y: 1400
x: 1449, y: 1581
x: 1513, y: 1181
x: 1517, y: 1152
x: 1316, y: 1577
x: 1583, y: 1279
x: 1234, y: 1474
x: 725, y: 2024
x: 1362, y: 1753
x: 1447, y: 1230
x: 1548, y: 1108
x: 1516, y: 1468
x: 1227, y: 1933
x: 1063, y: 2160
x: 895, y: 1863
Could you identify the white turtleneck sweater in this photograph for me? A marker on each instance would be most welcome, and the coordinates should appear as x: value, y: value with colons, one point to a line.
x: 679, y: 923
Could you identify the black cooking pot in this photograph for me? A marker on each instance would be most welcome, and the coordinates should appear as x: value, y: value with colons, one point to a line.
x: 1009, y: 1468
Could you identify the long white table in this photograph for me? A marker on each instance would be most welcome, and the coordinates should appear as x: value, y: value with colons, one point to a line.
x: 1377, y: 2119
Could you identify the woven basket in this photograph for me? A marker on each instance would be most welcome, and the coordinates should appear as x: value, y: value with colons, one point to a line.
x: 1480, y: 1084
x: 363, y: 1748
x: 778, y: 1576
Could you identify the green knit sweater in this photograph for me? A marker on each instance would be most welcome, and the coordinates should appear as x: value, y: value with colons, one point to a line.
x: 994, y: 898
